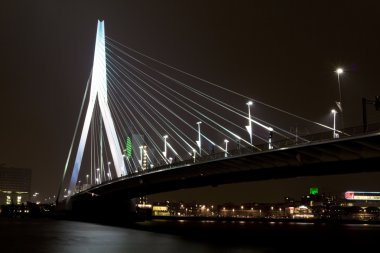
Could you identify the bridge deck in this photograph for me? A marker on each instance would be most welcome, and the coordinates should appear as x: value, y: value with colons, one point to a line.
x: 338, y: 156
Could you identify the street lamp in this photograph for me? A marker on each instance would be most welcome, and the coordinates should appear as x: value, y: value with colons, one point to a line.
x: 335, y: 134
x: 226, y: 152
x: 109, y: 171
x: 141, y: 155
x: 270, y: 146
x: 87, y: 178
x: 340, y: 71
x: 98, y: 176
x: 165, y: 148
x: 249, y: 127
x: 199, y: 137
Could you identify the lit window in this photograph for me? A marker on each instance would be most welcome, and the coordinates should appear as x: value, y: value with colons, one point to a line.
x: 18, y: 200
x: 8, y: 201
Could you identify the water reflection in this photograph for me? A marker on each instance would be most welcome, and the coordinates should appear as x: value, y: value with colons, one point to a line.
x: 68, y: 236
x: 40, y: 235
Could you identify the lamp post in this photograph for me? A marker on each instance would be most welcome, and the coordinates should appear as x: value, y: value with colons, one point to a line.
x: 340, y: 71
x: 98, y: 176
x: 199, y: 137
x: 109, y: 171
x: 335, y: 134
x: 249, y: 127
x: 141, y: 155
x: 226, y: 151
x: 165, y: 146
x: 270, y: 146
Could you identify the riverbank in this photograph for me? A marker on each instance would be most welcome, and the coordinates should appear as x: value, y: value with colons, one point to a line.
x: 286, y: 220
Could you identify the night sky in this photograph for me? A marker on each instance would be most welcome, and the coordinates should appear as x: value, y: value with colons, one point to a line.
x: 281, y: 52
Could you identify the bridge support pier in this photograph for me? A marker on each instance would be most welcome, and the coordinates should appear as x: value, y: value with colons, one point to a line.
x: 105, y: 209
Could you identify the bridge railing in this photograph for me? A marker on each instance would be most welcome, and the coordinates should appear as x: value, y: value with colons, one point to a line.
x: 283, y: 143
x: 241, y: 150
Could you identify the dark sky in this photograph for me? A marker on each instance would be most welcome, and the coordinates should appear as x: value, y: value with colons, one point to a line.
x: 281, y: 52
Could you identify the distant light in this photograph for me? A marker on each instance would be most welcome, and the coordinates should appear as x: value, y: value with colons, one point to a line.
x: 249, y: 103
x: 199, y: 122
x: 109, y: 162
x: 339, y: 71
x: 333, y: 111
x: 270, y: 129
x: 226, y: 141
x: 313, y: 191
x: 165, y: 136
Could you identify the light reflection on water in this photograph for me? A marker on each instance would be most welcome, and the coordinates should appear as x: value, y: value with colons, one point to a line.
x: 69, y: 236
x: 60, y: 236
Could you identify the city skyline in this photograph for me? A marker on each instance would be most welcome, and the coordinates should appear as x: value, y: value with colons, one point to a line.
x: 232, y: 44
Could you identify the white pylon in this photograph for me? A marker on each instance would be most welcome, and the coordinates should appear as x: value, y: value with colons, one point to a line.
x: 99, y: 91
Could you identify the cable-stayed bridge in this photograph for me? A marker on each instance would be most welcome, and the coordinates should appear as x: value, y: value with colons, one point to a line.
x: 146, y: 127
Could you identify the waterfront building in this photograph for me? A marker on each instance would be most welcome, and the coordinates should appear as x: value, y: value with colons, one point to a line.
x: 15, y: 185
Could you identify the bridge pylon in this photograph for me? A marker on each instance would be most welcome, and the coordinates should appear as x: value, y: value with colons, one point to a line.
x: 99, y: 91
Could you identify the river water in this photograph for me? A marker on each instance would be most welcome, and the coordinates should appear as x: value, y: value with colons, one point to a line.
x: 49, y: 235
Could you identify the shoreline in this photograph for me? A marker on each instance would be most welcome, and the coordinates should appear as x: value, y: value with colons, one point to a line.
x: 264, y: 220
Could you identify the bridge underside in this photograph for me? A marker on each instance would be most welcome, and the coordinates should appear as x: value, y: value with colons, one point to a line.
x: 343, y: 156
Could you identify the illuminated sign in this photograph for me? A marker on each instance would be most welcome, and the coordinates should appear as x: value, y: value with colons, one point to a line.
x: 144, y: 205
x: 352, y: 195
x: 313, y: 190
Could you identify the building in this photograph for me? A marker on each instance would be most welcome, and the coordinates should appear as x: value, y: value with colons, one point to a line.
x: 160, y: 211
x: 15, y: 185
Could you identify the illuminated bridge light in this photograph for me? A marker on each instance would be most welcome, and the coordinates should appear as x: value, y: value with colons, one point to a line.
x: 128, y: 147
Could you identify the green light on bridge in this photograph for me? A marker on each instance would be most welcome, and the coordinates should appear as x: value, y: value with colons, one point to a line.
x: 128, y: 148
